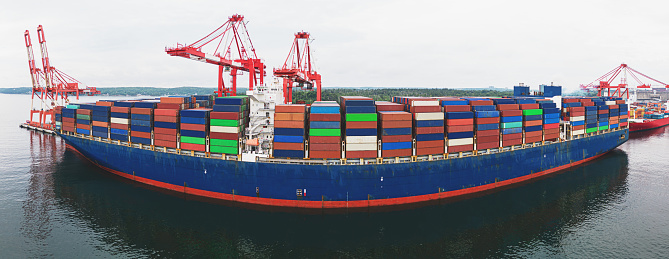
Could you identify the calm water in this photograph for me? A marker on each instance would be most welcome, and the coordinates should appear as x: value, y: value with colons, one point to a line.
x: 55, y: 204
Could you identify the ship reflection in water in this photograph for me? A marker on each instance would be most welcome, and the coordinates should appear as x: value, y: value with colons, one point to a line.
x: 123, y: 219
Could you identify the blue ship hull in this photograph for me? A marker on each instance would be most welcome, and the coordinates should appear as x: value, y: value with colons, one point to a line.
x: 342, y: 186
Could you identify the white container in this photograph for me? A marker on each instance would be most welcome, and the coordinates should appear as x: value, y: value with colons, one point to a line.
x: 360, y: 147
x: 224, y: 129
x: 119, y: 120
x: 429, y: 116
x: 425, y: 103
x: 460, y: 142
x: 578, y: 132
x: 610, y: 102
x: 360, y: 139
x: 577, y: 118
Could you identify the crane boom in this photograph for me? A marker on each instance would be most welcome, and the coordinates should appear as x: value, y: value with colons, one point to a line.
x: 298, y: 69
x: 605, y: 82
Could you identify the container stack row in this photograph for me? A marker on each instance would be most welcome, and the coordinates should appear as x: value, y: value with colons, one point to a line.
x: 533, y: 120
x: 141, y: 122
x: 100, y: 120
x: 120, y: 121
x: 289, y: 130
x: 325, y: 130
x: 486, y: 124
x: 227, y: 124
x: 194, y: 129
x: 360, y: 127
x: 394, y: 129
x: 458, y: 125
x: 511, y: 122
x: 83, y: 120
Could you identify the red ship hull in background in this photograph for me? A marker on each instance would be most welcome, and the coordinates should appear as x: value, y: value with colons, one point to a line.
x: 648, y: 124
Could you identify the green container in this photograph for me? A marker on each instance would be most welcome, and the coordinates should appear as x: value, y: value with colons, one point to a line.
x: 223, y: 142
x: 83, y: 117
x: 224, y: 150
x: 533, y: 112
x: 192, y: 140
x: 325, y: 132
x: 361, y: 117
x: 590, y: 130
x: 227, y: 123
x: 604, y: 127
x: 509, y: 125
x: 72, y: 106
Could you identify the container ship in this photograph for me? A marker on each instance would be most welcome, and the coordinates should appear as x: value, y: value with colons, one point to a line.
x: 352, y: 154
x: 648, y: 116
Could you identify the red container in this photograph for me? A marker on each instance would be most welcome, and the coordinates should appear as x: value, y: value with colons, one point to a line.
x: 173, y: 106
x: 484, y: 133
x: 552, y: 126
x: 145, y: 111
x: 420, y: 109
x: 140, y: 134
x: 509, y: 113
x: 100, y: 124
x: 325, y: 154
x: 68, y: 128
x: 459, y: 122
x: 481, y: 102
x: 290, y: 108
x: 119, y: 126
x: 324, y: 117
x: 487, y: 139
x: 533, y: 134
x: 82, y: 126
x: 462, y: 128
x: 551, y: 131
x: 103, y: 103
x: 83, y: 111
x: 576, y: 109
x: 388, y: 106
x: 480, y: 146
x: 623, y: 124
x: 396, y: 124
x: 195, y: 127
x: 396, y: 138
x: 461, y: 148
x: 429, y: 151
x: 174, y: 100
x: 532, y: 123
x: 225, y: 115
x: 506, y: 107
x: 396, y: 152
x: 430, y: 144
x: 486, y: 120
x: 579, y: 127
x: 165, y: 131
x: 361, y: 154
x: 69, y: 124
x: 457, y: 108
x: 120, y: 109
x: 219, y: 135
x: 603, y: 111
x: 289, y: 124
x: 529, y: 106
x: 512, y: 142
x: 194, y: 147
x: 533, y: 139
x: 172, y: 119
x: 324, y: 140
x: 512, y: 136
x: 324, y: 147
x: 551, y: 136
x: 165, y: 112
x: 70, y: 120
x: 165, y: 137
x: 360, y: 125
x: 395, y: 116
x: 429, y: 130
x: 576, y: 114
x: 288, y: 146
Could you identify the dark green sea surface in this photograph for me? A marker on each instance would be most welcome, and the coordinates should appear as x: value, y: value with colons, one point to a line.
x: 53, y: 203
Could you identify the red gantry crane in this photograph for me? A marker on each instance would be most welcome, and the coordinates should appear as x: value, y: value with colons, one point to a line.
x: 50, y: 85
x: 232, y: 50
x: 604, y: 82
x: 298, y: 70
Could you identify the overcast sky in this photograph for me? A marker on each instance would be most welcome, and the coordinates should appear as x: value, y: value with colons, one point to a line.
x: 450, y: 44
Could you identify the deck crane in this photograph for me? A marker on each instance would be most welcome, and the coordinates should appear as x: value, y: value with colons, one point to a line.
x: 298, y: 69
x: 57, y: 85
x: 604, y: 82
x: 233, y: 52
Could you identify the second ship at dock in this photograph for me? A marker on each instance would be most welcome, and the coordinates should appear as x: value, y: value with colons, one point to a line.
x: 354, y: 154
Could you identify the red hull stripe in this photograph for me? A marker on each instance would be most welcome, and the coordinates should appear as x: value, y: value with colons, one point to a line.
x: 648, y: 125
x: 339, y: 204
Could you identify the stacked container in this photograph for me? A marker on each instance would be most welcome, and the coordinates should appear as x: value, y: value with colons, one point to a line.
x: 532, y: 120
x: 511, y: 122
x: 69, y: 118
x: 289, y: 130
x: 165, y: 127
x: 194, y: 129
x: 83, y: 125
x: 360, y: 128
x: 227, y: 123
x: 486, y: 124
x: 458, y: 125
x: 204, y: 101
x: 428, y: 127
x: 141, y: 122
x: 603, y: 116
x: 58, y: 117
x: 614, y: 112
x: 100, y: 120
x: 551, y: 119
x: 325, y: 130
x: 395, y: 131
x: 590, y: 115
x: 623, y: 114
x: 120, y: 121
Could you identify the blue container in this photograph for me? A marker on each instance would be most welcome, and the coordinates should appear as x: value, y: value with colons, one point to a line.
x: 119, y: 137
x: 100, y: 129
x: 551, y: 121
x: 194, y: 133
x: 83, y: 122
x: 143, y: 117
x: 552, y: 116
x: 100, y: 118
x: 577, y: 123
x: 512, y: 131
x: 145, y: 141
x: 432, y: 123
x: 289, y: 131
x: 195, y: 113
x: 83, y: 131
x: 603, y: 123
x: 140, y: 128
x: 123, y: 104
x: 487, y: 114
x: 192, y: 120
x: 462, y: 102
x: 395, y: 131
x: 325, y: 109
x: 492, y: 126
x: 458, y: 135
x: 227, y: 108
x: 511, y: 119
x: 503, y: 101
x: 228, y: 101
x: 478, y: 108
x: 100, y: 113
x: 533, y: 117
x: 429, y: 137
x: 613, y: 126
x: 603, y: 116
x: 395, y: 145
x: 525, y: 101
x: 165, y: 125
x: 361, y: 132
x: 360, y: 109
x: 360, y: 103
x: 547, y: 105
x: 120, y: 115
x: 288, y: 153
x: 551, y: 111
x: 140, y: 123
x: 534, y: 128
x: 119, y: 131
x: 145, y: 105
x: 324, y: 124
x: 591, y: 125
x: 288, y: 139
x: 623, y: 120
x: 458, y: 115
x: 99, y: 134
